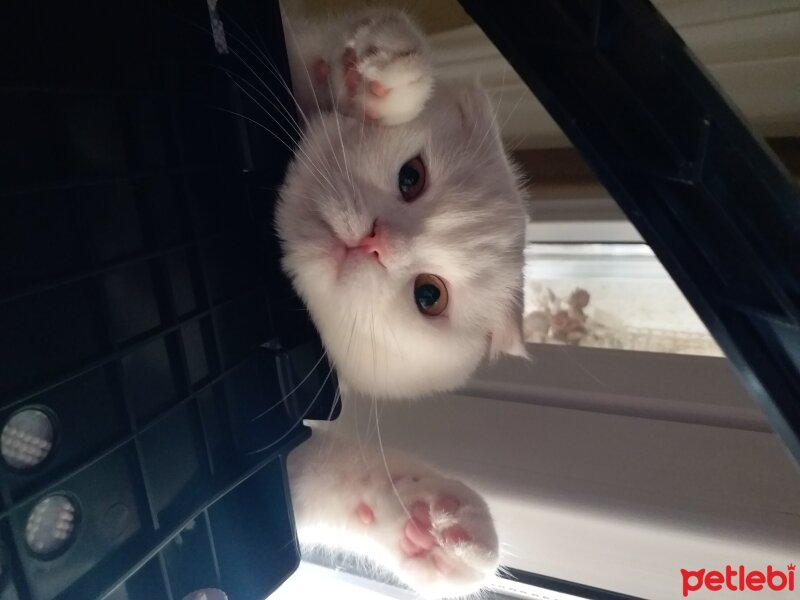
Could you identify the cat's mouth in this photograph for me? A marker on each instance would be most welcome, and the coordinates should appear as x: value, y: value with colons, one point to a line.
x: 372, y: 245
x: 369, y: 249
x: 350, y: 259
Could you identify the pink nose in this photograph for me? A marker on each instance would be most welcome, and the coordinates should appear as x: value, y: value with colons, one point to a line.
x: 374, y: 243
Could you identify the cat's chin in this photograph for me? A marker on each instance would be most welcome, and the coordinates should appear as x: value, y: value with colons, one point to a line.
x: 353, y: 266
x: 392, y: 378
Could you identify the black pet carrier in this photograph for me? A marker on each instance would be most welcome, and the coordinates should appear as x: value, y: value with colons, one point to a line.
x: 155, y: 365
x: 151, y: 352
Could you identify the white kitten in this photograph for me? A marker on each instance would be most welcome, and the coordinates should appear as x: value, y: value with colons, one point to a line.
x: 403, y: 229
x: 354, y: 246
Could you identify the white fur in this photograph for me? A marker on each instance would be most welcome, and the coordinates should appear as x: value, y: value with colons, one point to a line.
x: 467, y: 228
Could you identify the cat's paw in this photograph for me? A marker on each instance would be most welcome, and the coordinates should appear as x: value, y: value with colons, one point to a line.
x: 444, y: 538
x: 385, y: 74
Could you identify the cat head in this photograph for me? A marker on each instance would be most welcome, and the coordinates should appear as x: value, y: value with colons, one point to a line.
x: 406, y: 245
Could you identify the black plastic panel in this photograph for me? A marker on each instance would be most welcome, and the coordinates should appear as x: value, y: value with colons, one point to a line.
x: 142, y: 307
x: 718, y: 209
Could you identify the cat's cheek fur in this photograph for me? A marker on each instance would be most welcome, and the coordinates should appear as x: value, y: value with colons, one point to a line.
x: 507, y: 336
x: 389, y: 360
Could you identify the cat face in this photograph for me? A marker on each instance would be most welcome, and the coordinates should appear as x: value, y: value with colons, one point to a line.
x: 406, y: 244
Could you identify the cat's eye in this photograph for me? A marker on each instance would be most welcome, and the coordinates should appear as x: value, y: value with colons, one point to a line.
x: 411, y: 179
x: 430, y: 294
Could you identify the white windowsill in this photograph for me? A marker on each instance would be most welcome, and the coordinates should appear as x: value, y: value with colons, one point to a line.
x: 612, y: 469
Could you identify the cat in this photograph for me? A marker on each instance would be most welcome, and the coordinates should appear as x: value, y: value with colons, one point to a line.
x: 402, y: 228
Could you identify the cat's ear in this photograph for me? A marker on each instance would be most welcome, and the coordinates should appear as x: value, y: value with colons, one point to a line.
x: 507, y: 338
x: 475, y: 108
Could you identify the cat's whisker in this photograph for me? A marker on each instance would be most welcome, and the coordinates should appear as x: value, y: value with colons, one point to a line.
x: 355, y: 404
x: 315, y: 199
x: 467, y: 145
x: 385, y: 352
x: 373, y: 413
x: 312, y: 87
x: 337, y: 397
x: 344, y: 152
x: 292, y: 391
x: 491, y: 125
x: 496, y: 110
x: 236, y: 82
x: 492, y: 121
x: 372, y: 337
x: 513, y: 145
x: 582, y: 367
x: 504, y: 548
x: 255, y: 74
x: 254, y: 122
x: 386, y: 464
x: 308, y: 163
x: 335, y: 114
x: 522, y: 94
x: 265, y: 60
x: 363, y: 114
x: 357, y: 428
x: 274, y: 103
x: 278, y: 105
x: 325, y: 450
x: 302, y: 417
x: 299, y: 148
x: 341, y: 141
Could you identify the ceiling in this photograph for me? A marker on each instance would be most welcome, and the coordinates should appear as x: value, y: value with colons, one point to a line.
x: 751, y: 48
x: 433, y: 16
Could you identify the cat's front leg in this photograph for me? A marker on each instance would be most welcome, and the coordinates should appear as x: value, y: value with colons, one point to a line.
x: 386, y: 73
x: 435, y: 533
x: 373, y: 65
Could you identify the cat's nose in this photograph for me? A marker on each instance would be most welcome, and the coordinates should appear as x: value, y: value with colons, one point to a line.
x: 373, y: 243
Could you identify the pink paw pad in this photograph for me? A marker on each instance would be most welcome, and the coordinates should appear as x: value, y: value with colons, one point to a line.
x: 456, y: 534
x: 448, y: 504
x: 365, y: 513
x: 378, y: 89
x: 418, y: 539
x: 353, y: 79
x: 321, y: 71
